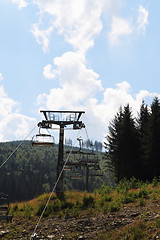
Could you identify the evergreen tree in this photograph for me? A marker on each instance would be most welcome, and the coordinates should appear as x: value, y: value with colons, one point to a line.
x: 123, y: 144
x: 113, y: 144
x: 155, y: 138
x: 143, y: 122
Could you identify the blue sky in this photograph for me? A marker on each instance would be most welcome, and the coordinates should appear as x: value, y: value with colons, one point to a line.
x: 91, y: 55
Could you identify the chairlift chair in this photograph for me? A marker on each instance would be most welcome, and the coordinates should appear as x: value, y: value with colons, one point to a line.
x: 67, y: 169
x: 43, y: 140
x: 76, y: 177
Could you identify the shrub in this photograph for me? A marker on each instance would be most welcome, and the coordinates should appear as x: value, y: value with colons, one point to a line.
x: 113, y: 206
x: 143, y: 193
x: 65, y: 205
x: 88, y: 202
x: 39, y: 209
x: 155, y: 182
x: 104, y: 190
x: 105, y: 199
x: 28, y: 211
x: 141, y: 201
x: 125, y: 185
x: 134, y: 183
x: 15, y: 208
x: 128, y: 197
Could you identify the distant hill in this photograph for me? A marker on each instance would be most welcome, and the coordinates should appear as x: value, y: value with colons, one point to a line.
x: 31, y: 171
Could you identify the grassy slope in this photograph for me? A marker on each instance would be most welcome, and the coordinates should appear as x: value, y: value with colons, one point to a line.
x: 122, y: 213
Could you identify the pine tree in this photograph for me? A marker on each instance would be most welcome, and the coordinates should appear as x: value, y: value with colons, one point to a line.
x: 143, y: 123
x: 155, y: 138
x: 113, y: 143
x: 123, y: 144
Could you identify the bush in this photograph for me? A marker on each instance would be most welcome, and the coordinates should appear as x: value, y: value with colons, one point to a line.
x: 113, y: 206
x: 104, y: 190
x: 15, y: 208
x: 155, y: 182
x: 105, y: 199
x: 129, y: 197
x: 125, y: 185
x: 39, y: 209
x: 28, y: 211
x: 88, y: 202
x: 141, y: 201
x: 143, y: 193
x: 68, y: 205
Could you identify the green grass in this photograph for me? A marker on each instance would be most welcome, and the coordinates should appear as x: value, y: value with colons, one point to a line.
x: 105, y: 199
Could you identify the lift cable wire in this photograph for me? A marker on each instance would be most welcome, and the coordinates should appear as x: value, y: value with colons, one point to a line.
x: 53, y: 190
x: 91, y: 145
x: 17, y: 148
x: 87, y: 134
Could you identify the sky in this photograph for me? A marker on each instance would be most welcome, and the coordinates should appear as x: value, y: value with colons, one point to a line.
x: 89, y: 55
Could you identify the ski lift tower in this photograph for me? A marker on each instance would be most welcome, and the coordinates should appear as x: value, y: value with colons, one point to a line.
x: 63, y: 119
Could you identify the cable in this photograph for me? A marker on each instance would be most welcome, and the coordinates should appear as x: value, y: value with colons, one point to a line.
x: 16, y: 148
x: 87, y: 134
x: 34, y: 232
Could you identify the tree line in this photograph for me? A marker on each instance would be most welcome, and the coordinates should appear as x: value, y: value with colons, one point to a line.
x: 88, y: 144
x: 133, y: 144
x: 31, y: 171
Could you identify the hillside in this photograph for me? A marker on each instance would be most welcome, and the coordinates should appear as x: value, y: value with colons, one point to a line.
x: 130, y: 211
x: 31, y: 171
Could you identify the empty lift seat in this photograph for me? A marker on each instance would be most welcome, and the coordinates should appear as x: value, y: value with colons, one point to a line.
x: 4, y: 208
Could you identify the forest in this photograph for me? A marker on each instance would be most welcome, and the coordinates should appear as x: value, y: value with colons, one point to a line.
x: 31, y: 171
x: 133, y: 144
x: 132, y: 149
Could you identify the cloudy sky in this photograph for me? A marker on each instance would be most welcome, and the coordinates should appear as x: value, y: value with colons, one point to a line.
x: 91, y: 55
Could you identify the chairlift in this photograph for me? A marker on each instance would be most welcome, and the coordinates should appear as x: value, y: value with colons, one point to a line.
x: 76, y: 177
x: 67, y: 169
x: 43, y: 140
x: 96, y: 174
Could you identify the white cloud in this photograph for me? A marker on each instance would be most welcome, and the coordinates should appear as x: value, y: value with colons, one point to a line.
x: 1, y: 77
x: 42, y: 36
x: 48, y: 72
x: 142, y: 18
x: 98, y: 115
x: 78, y: 21
x: 21, y: 3
x: 119, y: 27
x: 14, y: 125
x: 78, y: 82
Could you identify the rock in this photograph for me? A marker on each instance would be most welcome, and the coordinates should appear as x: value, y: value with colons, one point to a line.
x: 2, y: 233
x: 51, y: 236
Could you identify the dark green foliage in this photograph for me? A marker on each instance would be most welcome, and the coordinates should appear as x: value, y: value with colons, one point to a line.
x: 129, y: 197
x: 39, y: 209
x: 123, y: 144
x: 31, y: 171
x: 133, y: 147
x: 53, y: 207
x: 104, y: 190
x: 28, y: 172
x: 127, y: 184
x: 143, y: 193
x: 88, y: 202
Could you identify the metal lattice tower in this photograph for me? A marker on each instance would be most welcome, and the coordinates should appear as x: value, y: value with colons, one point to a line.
x: 63, y: 119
